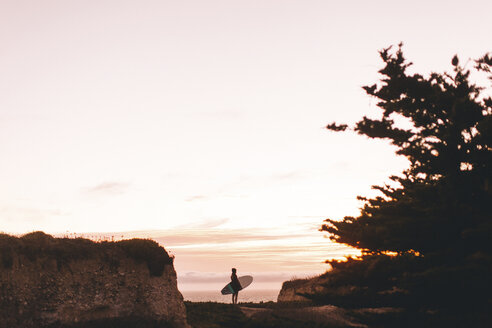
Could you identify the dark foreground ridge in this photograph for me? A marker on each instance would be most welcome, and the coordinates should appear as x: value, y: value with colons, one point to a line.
x: 298, y: 315
x: 124, y: 322
x: 256, y: 315
x: 309, y: 315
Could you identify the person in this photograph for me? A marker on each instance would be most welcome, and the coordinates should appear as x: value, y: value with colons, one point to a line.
x: 236, y: 286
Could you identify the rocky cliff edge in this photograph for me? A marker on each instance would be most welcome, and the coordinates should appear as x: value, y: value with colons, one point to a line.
x: 48, y: 282
x: 293, y: 290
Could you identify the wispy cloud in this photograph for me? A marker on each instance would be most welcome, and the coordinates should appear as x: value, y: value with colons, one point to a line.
x: 282, y: 250
x: 205, y: 253
x: 108, y: 188
x: 194, y: 277
x: 196, y: 198
x: 200, y: 235
x: 209, y: 224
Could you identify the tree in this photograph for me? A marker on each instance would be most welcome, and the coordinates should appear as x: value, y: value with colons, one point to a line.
x: 438, y: 212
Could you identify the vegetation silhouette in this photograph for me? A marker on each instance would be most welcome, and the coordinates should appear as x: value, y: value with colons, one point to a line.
x: 426, y: 240
x: 38, y: 246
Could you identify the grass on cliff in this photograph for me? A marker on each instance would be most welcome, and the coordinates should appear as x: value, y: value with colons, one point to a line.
x: 40, y: 246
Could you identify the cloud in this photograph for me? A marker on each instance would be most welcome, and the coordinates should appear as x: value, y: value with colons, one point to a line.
x: 209, y: 224
x: 196, y: 197
x: 214, y: 277
x: 288, y: 251
x: 109, y: 188
x: 202, y: 277
x: 207, y: 233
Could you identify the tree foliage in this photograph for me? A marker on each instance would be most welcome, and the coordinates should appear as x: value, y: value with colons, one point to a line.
x: 443, y: 200
x: 435, y: 219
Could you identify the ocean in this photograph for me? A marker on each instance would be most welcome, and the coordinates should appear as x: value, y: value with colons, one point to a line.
x: 247, y: 295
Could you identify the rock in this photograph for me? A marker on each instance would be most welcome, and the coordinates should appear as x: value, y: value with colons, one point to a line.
x: 293, y: 290
x: 33, y: 294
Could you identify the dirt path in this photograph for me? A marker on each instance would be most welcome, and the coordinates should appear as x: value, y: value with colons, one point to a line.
x: 327, y: 314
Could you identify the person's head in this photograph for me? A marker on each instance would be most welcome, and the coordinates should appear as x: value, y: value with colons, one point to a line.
x: 233, y: 270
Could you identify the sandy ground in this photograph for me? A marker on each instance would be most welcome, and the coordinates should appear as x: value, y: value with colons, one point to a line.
x: 328, y: 314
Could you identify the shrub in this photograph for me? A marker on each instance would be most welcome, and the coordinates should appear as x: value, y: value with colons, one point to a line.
x: 40, y: 246
x: 7, y: 245
x: 149, y: 251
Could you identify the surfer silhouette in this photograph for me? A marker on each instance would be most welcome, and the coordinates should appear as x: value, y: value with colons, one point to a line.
x: 236, y: 286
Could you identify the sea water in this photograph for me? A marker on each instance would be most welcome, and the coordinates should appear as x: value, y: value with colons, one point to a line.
x: 247, y: 295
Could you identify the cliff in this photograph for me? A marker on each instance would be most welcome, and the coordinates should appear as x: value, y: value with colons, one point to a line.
x: 48, y: 282
x: 293, y: 290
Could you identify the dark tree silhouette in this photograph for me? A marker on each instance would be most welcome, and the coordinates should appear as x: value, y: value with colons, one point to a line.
x: 436, y: 217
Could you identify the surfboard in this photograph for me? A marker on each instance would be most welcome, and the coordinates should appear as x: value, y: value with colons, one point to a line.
x: 244, y: 281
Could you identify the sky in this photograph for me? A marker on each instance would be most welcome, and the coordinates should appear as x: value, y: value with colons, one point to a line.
x: 200, y: 124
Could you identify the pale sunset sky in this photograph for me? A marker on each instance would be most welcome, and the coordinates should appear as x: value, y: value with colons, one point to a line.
x: 200, y: 123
